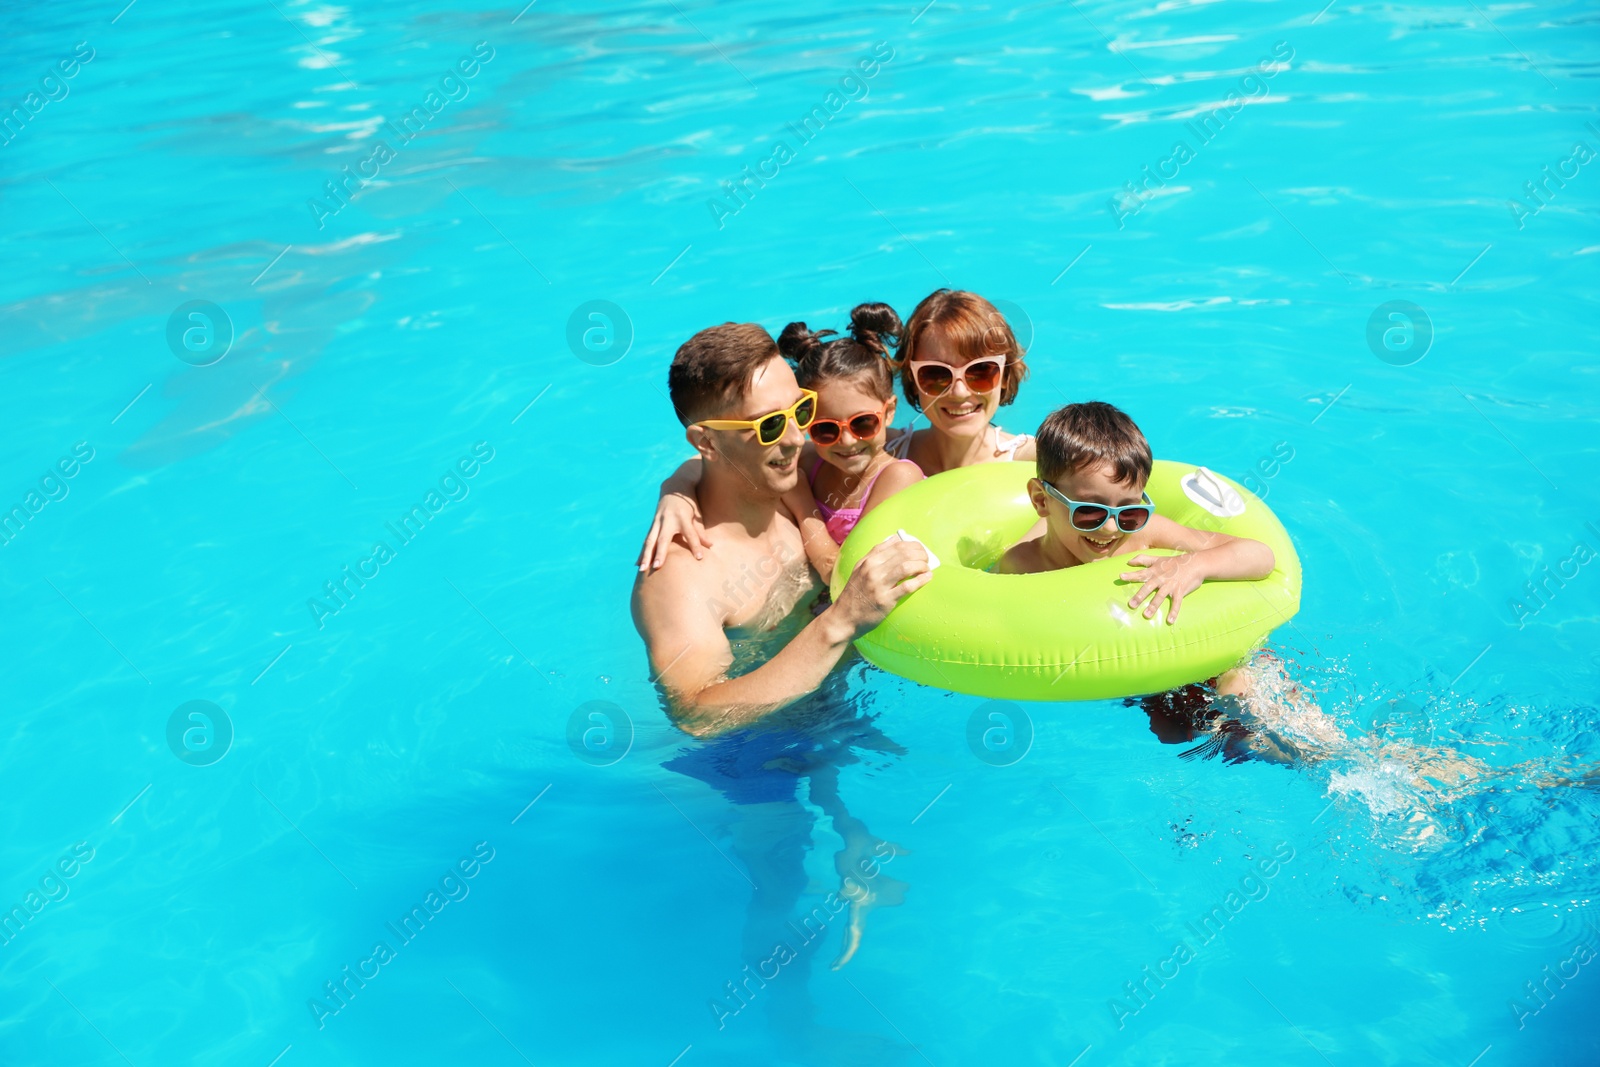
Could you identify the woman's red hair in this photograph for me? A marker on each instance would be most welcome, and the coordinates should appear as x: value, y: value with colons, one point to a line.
x: 974, y: 329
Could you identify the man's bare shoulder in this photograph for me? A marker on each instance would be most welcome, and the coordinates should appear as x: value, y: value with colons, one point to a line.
x: 679, y: 575
x: 674, y: 615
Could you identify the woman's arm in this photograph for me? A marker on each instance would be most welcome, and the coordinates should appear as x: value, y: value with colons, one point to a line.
x: 1026, y: 452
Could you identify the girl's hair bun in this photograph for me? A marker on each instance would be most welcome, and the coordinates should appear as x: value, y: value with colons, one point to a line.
x: 874, y: 326
x: 825, y: 356
x: 798, y: 344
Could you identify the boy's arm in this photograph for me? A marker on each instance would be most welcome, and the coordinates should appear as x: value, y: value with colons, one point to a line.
x: 1208, y: 556
x: 677, y: 516
x: 1024, y: 556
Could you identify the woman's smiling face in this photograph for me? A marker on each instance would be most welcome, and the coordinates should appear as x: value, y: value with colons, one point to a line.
x: 958, y: 411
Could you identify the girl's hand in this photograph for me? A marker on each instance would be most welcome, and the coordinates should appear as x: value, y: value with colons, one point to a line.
x: 677, y: 518
x: 1166, y: 576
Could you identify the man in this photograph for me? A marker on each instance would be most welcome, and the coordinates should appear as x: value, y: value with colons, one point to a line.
x: 743, y: 412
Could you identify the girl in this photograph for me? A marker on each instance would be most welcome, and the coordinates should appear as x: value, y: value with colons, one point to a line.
x: 852, y: 471
x: 846, y: 462
x: 959, y: 362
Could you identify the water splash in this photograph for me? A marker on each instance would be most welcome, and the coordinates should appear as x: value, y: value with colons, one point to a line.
x: 1446, y: 806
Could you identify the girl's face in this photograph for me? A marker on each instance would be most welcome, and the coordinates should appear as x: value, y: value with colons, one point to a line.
x: 958, y: 411
x: 842, y: 399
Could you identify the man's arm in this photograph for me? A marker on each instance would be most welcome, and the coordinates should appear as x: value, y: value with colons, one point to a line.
x: 690, y: 653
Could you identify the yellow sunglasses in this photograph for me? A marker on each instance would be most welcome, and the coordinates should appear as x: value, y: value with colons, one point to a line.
x: 770, y: 428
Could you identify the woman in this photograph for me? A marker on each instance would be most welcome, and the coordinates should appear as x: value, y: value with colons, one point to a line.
x: 959, y: 364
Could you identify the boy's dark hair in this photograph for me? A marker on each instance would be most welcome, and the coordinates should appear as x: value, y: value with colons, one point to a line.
x: 1085, y: 435
x: 714, y: 367
x: 874, y: 329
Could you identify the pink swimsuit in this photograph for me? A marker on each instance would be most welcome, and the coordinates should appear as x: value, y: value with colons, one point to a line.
x: 840, y: 521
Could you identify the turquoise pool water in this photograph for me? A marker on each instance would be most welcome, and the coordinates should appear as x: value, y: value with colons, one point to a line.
x: 424, y: 732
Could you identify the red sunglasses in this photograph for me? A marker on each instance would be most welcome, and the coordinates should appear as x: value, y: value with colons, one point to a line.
x: 862, y: 426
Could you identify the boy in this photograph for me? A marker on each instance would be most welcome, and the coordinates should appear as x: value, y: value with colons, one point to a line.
x: 1092, y: 465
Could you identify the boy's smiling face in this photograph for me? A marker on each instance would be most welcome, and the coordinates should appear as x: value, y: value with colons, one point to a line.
x: 1094, y: 484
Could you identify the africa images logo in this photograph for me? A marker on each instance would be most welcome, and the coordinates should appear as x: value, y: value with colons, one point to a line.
x: 452, y: 86
x: 453, y: 887
x: 1204, y: 128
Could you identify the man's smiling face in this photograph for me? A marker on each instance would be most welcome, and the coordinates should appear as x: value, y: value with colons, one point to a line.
x: 769, y: 470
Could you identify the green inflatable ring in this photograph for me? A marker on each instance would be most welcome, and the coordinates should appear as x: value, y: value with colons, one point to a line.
x: 1068, y: 634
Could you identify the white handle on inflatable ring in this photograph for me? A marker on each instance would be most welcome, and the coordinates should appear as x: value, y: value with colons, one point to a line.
x: 1213, y: 494
x: 901, y: 535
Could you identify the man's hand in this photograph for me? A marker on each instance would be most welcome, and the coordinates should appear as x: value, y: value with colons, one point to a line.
x: 891, y: 571
x: 1167, y: 576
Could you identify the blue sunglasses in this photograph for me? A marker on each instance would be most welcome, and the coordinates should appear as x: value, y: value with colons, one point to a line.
x: 1087, y: 516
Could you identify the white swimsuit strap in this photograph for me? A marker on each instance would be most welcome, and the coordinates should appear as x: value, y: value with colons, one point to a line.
x: 1017, y: 441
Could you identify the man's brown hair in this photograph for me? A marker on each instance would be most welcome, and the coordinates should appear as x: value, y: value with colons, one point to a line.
x: 1085, y: 435
x: 713, y: 369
